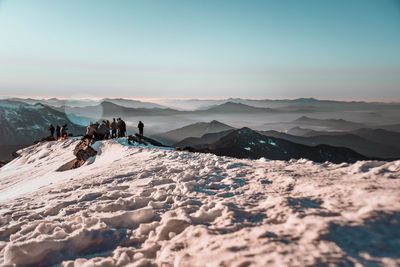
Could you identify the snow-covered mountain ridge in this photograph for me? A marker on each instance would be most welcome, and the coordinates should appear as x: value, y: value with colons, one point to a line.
x: 23, y: 124
x: 146, y: 206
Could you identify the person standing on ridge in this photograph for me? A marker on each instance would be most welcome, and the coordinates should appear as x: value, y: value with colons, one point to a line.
x: 58, y: 132
x: 114, y: 128
x: 140, y: 126
x: 51, y: 129
x: 102, y: 130
x: 64, y: 132
x: 96, y: 128
x: 108, y: 123
x: 122, y: 128
x: 119, y: 127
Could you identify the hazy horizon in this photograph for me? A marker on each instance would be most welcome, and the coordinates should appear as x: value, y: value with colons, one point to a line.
x: 160, y: 99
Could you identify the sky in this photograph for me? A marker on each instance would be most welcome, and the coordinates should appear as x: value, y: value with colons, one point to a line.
x: 342, y: 49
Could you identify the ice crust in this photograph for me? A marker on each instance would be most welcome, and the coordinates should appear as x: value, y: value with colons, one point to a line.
x: 146, y: 206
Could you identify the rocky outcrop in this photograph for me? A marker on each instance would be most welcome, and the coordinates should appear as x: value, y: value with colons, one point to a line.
x: 3, y: 162
x: 83, y: 151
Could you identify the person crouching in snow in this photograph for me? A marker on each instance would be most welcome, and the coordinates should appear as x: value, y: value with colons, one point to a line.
x: 102, y: 130
x: 90, y: 131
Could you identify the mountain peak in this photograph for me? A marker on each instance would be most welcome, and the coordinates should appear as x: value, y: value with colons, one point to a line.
x: 231, y: 103
x: 246, y: 130
x: 234, y: 107
x: 216, y: 123
x: 303, y: 118
x: 197, y: 129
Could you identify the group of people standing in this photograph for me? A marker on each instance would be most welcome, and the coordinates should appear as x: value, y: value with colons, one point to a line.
x: 61, y: 132
x: 106, y: 129
x: 97, y: 131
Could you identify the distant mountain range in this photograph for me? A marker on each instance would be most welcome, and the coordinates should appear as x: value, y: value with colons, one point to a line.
x: 246, y: 143
x: 193, y: 130
x: 390, y: 127
x: 352, y: 140
x: 368, y: 142
x: 375, y: 113
x: 379, y: 135
x: 232, y: 107
x: 193, y: 104
x: 313, y: 123
x: 339, y: 124
x: 286, y: 105
x: 129, y: 103
x: 26, y: 120
x: 55, y: 102
x: 112, y: 110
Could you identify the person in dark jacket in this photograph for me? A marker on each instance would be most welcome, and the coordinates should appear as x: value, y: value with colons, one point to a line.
x: 114, y: 128
x: 121, y: 127
x: 140, y: 126
x: 102, y: 130
x: 108, y: 123
x: 96, y: 128
x: 58, y: 132
x: 51, y: 129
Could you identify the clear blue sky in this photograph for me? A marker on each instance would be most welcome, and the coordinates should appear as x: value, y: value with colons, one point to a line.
x: 342, y: 49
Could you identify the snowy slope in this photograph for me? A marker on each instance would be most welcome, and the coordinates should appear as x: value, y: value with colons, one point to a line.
x: 141, y: 206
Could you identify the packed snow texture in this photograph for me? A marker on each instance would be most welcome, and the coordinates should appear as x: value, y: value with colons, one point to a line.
x: 141, y: 206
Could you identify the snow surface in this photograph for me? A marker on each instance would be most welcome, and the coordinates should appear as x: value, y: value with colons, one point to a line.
x: 272, y: 143
x: 141, y: 206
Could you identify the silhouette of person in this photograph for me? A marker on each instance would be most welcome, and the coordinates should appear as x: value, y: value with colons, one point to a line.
x: 51, y: 129
x: 58, y: 132
x: 114, y: 128
x: 140, y: 126
x: 63, y: 131
x: 121, y: 127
